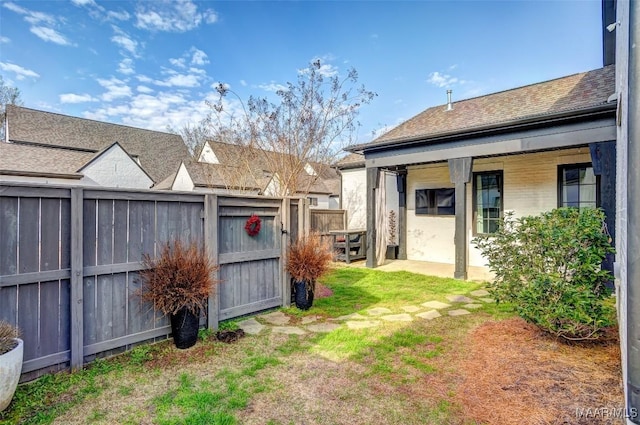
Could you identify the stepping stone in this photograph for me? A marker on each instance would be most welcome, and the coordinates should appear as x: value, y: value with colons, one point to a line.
x: 436, y: 304
x: 276, y: 318
x: 289, y: 330
x: 251, y: 326
x: 308, y: 319
x: 323, y: 327
x: 352, y: 316
x: 404, y: 317
x: 362, y: 324
x: 459, y: 312
x: 410, y: 308
x: 378, y: 311
x: 459, y: 299
x: 487, y: 300
x: 429, y: 315
x: 472, y: 306
x: 480, y: 293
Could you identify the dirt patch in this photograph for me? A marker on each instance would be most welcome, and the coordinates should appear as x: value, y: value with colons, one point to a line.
x: 322, y: 291
x: 515, y: 374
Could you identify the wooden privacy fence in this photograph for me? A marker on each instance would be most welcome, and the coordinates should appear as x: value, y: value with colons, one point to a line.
x: 323, y: 221
x: 70, y: 258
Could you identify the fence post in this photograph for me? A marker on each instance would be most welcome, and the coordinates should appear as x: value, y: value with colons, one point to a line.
x: 286, y: 240
x: 77, y: 277
x: 211, y: 246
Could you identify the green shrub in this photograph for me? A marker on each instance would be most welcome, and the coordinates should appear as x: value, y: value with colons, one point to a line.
x: 549, y: 267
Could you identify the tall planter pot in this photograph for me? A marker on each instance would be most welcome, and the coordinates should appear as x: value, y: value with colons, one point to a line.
x: 303, y: 294
x: 184, y: 327
x: 10, y: 370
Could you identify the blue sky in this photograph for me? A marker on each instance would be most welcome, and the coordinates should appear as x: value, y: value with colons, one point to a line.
x: 151, y: 64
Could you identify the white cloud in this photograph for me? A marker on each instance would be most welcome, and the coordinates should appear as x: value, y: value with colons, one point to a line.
x: 122, y: 15
x: 180, y: 80
x: 31, y: 16
x: 180, y: 63
x: 20, y: 72
x: 326, y: 69
x: 144, y: 89
x: 123, y: 40
x: 98, y: 12
x: 50, y: 35
x: 243, y: 83
x: 76, y: 98
x: 442, y: 80
x: 172, y: 16
x: 452, y: 67
x: 126, y: 66
x: 4, y: 40
x: 199, y: 57
x: 115, y: 89
x: 84, y: 2
x: 273, y: 87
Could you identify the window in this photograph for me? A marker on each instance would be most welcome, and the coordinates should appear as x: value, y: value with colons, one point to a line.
x: 578, y: 186
x: 436, y: 201
x: 313, y: 201
x: 487, y: 201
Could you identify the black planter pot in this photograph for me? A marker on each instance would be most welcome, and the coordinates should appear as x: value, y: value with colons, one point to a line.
x: 303, y: 297
x: 184, y: 327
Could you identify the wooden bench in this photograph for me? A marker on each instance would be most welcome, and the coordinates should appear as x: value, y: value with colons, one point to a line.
x: 350, y: 244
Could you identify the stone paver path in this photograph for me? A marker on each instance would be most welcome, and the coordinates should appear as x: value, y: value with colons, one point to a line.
x: 405, y: 317
x: 378, y: 311
x: 436, y: 304
x: 289, y: 330
x: 458, y: 312
x: 429, y: 315
x: 251, y: 326
x: 277, y: 321
x: 363, y: 324
x: 459, y: 299
x: 411, y: 308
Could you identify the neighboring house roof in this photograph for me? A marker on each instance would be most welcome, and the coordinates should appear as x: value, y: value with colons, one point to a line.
x: 251, y: 168
x: 42, y: 161
x: 353, y: 160
x: 574, y: 93
x: 159, y: 153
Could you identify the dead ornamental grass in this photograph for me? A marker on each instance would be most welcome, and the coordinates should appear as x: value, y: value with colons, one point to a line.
x: 514, y: 374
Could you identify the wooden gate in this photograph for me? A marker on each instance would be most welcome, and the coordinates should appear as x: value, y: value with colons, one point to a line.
x: 251, y: 267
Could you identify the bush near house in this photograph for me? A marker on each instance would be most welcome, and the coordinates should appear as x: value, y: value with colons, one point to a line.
x: 549, y: 267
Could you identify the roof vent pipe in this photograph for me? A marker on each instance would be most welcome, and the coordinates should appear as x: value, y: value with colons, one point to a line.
x: 449, y: 105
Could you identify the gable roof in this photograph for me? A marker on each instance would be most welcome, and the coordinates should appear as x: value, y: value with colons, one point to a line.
x: 574, y: 93
x: 159, y: 153
x: 353, y: 160
x: 42, y: 161
x: 251, y: 167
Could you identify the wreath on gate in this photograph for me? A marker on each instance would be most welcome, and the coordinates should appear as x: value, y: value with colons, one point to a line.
x: 252, y: 226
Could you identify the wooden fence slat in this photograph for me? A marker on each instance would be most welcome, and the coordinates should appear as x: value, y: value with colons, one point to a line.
x: 120, y: 231
x: 135, y: 231
x: 211, y: 247
x: 28, y: 240
x: 49, y: 318
x: 28, y: 306
x: 105, y: 232
x: 8, y: 236
x: 243, y: 257
x: 77, y: 281
x: 50, y: 234
x: 20, y: 279
x: 65, y: 233
x: 89, y: 235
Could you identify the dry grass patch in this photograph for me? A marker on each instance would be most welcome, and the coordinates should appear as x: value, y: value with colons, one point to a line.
x: 515, y: 374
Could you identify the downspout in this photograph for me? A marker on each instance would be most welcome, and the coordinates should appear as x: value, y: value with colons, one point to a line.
x: 633, y: 222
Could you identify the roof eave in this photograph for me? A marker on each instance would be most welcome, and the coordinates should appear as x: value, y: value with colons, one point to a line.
x: 40, y: 174
x: 488, y: 129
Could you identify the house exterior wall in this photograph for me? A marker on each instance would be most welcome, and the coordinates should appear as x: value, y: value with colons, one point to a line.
x: 353, y: 197
x: 183, y: 180
x: 115, y: 168
x: 323, y: 200
x: 530, y: 186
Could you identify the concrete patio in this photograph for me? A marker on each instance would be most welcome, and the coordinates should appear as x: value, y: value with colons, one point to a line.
x: 427, y: 268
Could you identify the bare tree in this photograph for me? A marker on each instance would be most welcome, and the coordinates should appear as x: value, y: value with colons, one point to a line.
x: 312, y: 122
x: 8, y: 95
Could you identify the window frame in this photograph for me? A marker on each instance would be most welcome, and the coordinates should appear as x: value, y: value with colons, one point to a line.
x: 436, y: 214
x: 560, y: 186
x: 474, y: 215
x: 313, y: 201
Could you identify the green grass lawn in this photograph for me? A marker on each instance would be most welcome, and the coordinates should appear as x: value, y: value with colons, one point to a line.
x: 345, y: 376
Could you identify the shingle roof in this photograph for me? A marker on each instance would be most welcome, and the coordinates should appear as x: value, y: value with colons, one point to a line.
x: 572, y: 93
x: 159, y: 153
x: 234, y: 158
x: 40, y: 160
x: 351, y: 161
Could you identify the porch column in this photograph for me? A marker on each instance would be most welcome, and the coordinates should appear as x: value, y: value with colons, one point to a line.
x: 372, y: 185
x: 401, y: 183
x: 603, y: 159
x: 460, y: 175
